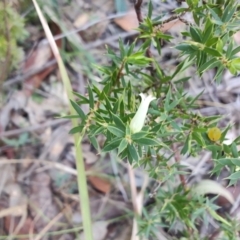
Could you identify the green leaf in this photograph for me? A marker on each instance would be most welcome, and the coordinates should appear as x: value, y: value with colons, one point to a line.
x: 234, y: 150
x: 236, y: 63
x: 150, y: 8
x: 167, y: 99
x: 218, y: 217
x: 119, y: 123
x: 234, y: 176
x: 196, y: 17
x: 219, y: 45
x: 76, y: 129
x: 212, y: 52
x: 130, y: 50
x: 94, y: 142
x: 106, y: 90
x: 108, y: 104
x: 210, y: 64
x: 237, y: 140
x: 123, y: 145
x: 124, y: 154
x: 90, y: 95
x: 228, y: 12
x: 219, y: 73
x: 173, y: 104
x: 133, y: 152
x: 235, y: 51
x: 70, y: 116
x: 187, y: 145
x: 121, y: 47
x: 236, y: 161
x: 232, y: 69
x: 78, y: 110
x: 218, y: 21
x: 211, y: 41
x: 147, y: 141
x: 180, y: 10
x: 196, y: 98
x: 227, y: 149
x: 96, y: 90
x: 214, y: 149
x: 145, y: 45
x: 140, y: 152
x: 208, y: 33
x: 185, y: 48
x: 116, y: 131
x: 182, y: 80
x: 225, y: 161
x: 195, y: 34
x: 139, y: 135
x: 83, y: 99
x: 176, y: 126
x: 201, y: 58
x: 198, y: 138
x: 98, y: 130
x: 229, y: 49
x: 113, y: 144
x: 182, y: 66
x: 158, y: 69
x: 224, y: 133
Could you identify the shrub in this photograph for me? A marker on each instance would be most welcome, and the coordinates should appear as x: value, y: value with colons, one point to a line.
x: 173, y: 130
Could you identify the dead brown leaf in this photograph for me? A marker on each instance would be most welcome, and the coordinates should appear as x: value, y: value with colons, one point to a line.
x: 224, y: 202
x: 81, y: 20
x: 175, y: 25
x: 95, y: 31
x: 128, y: 22
x: 37, y: 59
x: 40, y: 56
x: 15, y: 221
x: 42, y: 205
x: 100, y: 184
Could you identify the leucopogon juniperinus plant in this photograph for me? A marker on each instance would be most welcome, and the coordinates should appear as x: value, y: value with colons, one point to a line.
x: 172, y: 129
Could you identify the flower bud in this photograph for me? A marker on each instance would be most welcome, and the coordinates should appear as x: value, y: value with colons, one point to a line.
x: 138, y: 120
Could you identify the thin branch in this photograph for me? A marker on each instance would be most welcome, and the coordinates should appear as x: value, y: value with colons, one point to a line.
x: 119, y: 74
x: 134, y: 201
x: 138, y: 11
x: 48, y: 163
x: 177, y: 159
x: 28, y: 74
x: 88, y: 25
x: 137, y: 7
x: 33, y: 128
x: 172, y: 18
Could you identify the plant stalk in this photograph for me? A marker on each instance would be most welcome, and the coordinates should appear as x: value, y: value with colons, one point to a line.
x: 81, y: 177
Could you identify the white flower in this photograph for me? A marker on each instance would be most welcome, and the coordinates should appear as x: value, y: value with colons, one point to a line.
x: 138, y: 120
